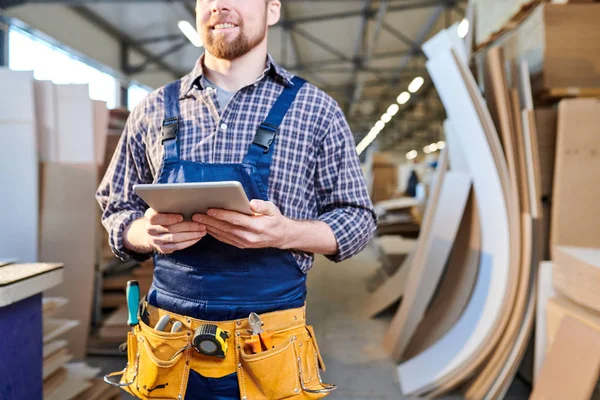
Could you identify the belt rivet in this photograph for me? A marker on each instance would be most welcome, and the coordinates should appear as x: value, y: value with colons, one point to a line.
x: 244, y: 398
x: 296, y: 390
x: 237, y: 334
x: 240, y: 365
x: 239, y: 323
x: 295, y: 318
x: 300, y: 345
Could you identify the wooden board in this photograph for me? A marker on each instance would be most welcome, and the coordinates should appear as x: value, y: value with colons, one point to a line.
x: 75, y: 124
x: 428, y: 265
x: 54, y: 381
x: 575, y: 205
x: 455, y: 287
x: 68, y: 195
x: 54, y: 327
x: 498, y: 102
x: 19, y: 181
x: 55, y: 362
x: 45, y: 109
x: 558, y: 307
x: 52, y: 305
x: 478, y: 324
x: 576, y: 275
x: 100, y: 130
x: 545, y: 121
x: 53, y: 347
x: 519, y: 325
x: 545, y: 292
x: 98, y: 391
x: 572, y: 366
x: 392, y: 290
x: 19, y: 281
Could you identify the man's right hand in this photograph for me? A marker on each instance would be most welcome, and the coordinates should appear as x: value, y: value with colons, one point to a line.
x: 165, y: 233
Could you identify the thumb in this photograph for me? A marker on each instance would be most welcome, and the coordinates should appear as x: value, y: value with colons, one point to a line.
x: 263, y: 207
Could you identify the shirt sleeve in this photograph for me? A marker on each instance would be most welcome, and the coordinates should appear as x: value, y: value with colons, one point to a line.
x: 119, y: 203
x: 342, y: 196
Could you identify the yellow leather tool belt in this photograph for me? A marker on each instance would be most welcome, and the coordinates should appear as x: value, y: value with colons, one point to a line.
x: 158, y: 363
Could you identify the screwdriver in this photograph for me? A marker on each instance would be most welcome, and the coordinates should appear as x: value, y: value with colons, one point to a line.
x: 133, y: 300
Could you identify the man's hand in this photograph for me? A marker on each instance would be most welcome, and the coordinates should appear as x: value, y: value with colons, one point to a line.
x: 165, y: 233
x: 268, y: 228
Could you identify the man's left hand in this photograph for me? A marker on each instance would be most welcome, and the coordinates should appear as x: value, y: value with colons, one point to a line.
x: 267, y: 228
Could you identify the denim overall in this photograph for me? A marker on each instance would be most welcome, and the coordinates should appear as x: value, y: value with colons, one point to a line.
x: 212, y: 280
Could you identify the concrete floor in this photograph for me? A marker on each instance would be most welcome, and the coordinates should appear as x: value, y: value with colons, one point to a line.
x: 349, y: 342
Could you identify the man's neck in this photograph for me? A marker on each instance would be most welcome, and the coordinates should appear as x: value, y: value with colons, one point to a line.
x: 236, y: 74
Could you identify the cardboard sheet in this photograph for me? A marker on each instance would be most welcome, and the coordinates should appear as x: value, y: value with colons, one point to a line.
x: 456, y: 286
x: 75, y: 124
x: 393, y: 289
x: 428, y: 264
x: 455, y: 351
x: 572, y: 366
x: 19, y: 182
x: 68, y: 234
x: 575, y: 205
x: 45, y: 108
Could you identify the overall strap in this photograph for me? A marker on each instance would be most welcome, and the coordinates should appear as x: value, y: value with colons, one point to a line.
x: 170, y: 126
x: 260, y: 153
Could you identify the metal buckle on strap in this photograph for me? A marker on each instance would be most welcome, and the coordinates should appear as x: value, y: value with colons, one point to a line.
x: 327, y: 387
x: 265, y: 135
x: 169, y: 129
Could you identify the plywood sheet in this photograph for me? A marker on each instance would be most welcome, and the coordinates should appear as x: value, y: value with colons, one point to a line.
x: 428, y: 264
x: 68, y: 196
x: 572, y: 366
x: 575, y: 205
x: 456, y: 286
x: 576, y: 275
x: 75, y: 124
x: 53, y: 347
x: 558, y: 307
x: 55, y: 362
x: 19, y: 179
x: 393, y: 289
x: 545, y: 292
x: 455, y: 351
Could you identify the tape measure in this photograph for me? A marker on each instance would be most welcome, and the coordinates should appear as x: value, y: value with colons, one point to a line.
x: 210, y: 340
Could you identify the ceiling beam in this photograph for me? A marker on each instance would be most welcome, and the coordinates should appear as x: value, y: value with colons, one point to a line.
x: 356, y: 92
x: 101, y: 23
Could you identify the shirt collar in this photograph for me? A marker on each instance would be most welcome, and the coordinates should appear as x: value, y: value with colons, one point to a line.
x: 194, y: 77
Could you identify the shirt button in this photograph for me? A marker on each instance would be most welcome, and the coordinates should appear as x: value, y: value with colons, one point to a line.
x: 224, y: 127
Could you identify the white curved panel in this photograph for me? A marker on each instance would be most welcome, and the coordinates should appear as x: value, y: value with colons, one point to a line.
x: 462, y: 342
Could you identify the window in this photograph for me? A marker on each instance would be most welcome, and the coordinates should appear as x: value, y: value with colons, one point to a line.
x: 28, y: 53
x: 135, y: 94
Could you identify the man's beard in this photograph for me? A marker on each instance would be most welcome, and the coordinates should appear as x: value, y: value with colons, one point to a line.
x: 220, y: 47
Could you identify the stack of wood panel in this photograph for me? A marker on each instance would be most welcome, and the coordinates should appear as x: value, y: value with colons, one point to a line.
x: 468, y: 288
x: 63, y: 379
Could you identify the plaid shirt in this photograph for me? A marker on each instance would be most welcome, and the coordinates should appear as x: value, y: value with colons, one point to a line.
x: 315, y: 172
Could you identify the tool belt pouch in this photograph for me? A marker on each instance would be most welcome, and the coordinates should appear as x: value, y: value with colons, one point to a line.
x: 157, y: 364
x: 290, y: 370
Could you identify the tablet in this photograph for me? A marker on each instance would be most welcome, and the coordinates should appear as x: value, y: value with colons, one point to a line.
x: 192, y: 198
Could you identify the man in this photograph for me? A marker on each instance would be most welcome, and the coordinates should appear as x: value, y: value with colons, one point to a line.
x: 239, y: 116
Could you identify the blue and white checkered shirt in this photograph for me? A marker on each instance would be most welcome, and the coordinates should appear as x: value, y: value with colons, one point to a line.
x: 315, y: 173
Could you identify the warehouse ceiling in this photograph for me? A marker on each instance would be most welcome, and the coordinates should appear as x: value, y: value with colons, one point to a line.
x: 364, y: 53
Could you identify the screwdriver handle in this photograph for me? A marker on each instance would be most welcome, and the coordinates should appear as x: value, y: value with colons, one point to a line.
x: 133, y: 300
